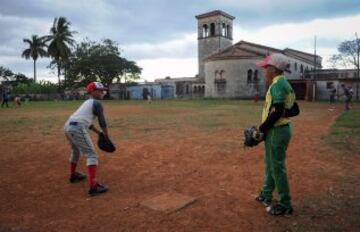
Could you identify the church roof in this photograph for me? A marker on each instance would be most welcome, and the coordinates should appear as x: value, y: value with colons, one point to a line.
x: 246, y: 50
x: 213, y: 13
x: 234, y: 52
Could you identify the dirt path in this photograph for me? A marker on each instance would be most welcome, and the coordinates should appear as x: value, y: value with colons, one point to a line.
x: 211, y: 166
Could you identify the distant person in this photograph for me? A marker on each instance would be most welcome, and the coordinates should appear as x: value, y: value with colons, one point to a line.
x: 149, y: 98
x: 27, y: 98
x: 5, y: 100
x: 348, y: 97
x: 17, y: 101
x: 332, y: 98
x: 257, y: 96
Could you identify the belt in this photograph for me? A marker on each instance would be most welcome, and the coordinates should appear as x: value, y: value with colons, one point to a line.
x: 283, y: 125
x: 73, y: 123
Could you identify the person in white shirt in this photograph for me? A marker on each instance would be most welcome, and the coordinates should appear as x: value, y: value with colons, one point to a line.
x: 76, y: 130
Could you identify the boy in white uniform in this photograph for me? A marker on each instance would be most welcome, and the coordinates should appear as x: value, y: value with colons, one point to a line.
x: 76, y: 131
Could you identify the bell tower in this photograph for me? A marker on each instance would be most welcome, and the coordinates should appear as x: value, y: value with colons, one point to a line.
x: 215, y: 33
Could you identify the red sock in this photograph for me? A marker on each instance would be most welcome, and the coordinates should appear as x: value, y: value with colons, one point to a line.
x: 72, y: 167
x: 92, y: 173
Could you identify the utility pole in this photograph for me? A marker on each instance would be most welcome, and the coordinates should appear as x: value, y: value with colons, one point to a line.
x: 314, y: 74
x: 357, y: 65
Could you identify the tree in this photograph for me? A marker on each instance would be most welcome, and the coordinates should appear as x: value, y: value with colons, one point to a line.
x: 35, y: 50
x: 100, y: 61
x: 349, y: 54
x: 60, y: 43
x: 5, y: 73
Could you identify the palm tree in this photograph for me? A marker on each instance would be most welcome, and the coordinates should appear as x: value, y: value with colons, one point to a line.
x: 60, y: 41
x: 35, y: 50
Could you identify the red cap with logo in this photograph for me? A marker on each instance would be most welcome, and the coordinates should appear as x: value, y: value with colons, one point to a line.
x: 92, y: 86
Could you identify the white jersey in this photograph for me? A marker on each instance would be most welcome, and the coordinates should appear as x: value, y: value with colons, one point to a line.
x: 84, y: 114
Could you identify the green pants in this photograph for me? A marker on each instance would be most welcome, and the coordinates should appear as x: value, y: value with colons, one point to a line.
x: 276, y: 143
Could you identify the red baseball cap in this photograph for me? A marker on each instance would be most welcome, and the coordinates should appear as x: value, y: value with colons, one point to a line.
x: 92, y: 86
x: 277, y: 60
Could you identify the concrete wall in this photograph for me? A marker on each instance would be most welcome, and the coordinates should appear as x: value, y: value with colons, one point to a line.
x: 323, y: 93
x: 235, y: 72
x: 136, y: 92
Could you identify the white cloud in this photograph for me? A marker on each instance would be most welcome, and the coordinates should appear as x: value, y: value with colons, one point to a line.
x: 301, y: 35
x: 162, y: 67
x: 183, y: 47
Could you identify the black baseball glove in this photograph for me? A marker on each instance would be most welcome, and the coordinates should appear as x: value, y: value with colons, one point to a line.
x: 252, y: 137
x: 105, y: 144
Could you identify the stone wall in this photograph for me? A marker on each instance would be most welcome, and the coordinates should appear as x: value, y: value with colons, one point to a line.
x: 235, y: 76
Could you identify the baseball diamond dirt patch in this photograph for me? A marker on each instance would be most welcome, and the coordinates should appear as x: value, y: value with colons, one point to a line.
x: 189, y: 147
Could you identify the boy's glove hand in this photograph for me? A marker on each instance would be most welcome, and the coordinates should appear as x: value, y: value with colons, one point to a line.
x: 105, y: 144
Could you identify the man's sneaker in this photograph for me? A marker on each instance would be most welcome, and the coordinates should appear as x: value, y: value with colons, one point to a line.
x: 98, y: 189
x: 77, y: 177
x: 279, y: 210
x: 263, y: 200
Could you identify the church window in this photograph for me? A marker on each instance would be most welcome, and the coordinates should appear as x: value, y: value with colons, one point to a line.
x: 256, y: 74
x: 205, y: 31
x: 295, y: 67
x: 249, y: 75
x: 301, y: 68
x: 212, y: 29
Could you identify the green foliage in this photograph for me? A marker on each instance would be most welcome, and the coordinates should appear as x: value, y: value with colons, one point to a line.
x: 43, y: 87
x: 5, y: 73
x: 100, y: 61
x: 60, y: 43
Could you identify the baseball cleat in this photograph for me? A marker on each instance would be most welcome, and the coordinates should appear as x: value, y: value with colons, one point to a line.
x: 77, y: 177
x: 278, y: 210
x: 263, y: 200
x: 98, y: 189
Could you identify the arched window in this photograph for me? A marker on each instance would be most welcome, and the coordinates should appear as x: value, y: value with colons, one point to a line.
x: 195, y: 89
x: 187, y: 89
x: 249, y: 75
x: 301, y: 68
x: 205, y: 31
x: 212, y: 29
x: 295, y: 67
x: 223, y: 30
x: 256, y: 74
x: 228, y: 33
x: 202, y: 89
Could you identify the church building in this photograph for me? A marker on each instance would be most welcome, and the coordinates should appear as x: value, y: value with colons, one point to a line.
x: 229, y: 70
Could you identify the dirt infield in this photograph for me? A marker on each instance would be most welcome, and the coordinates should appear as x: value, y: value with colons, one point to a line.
x: 192, y: 148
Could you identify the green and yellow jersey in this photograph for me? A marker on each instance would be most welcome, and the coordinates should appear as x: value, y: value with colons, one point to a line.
x: 280, y: 91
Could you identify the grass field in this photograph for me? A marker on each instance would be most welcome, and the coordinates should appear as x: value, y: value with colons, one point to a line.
x: 192, y: 147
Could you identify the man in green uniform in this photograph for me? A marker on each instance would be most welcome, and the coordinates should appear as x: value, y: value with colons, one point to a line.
x: 276, y: 128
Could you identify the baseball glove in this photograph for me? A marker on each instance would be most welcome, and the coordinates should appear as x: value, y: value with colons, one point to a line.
x: 252, y: 137
x: 105, y: 144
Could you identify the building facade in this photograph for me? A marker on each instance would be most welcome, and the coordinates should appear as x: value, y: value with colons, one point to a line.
x: 230, y: 70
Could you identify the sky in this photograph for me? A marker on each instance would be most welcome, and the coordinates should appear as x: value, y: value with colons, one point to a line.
x: 161, y: 35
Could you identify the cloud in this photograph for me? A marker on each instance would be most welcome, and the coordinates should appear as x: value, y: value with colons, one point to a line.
x: 162, y: 67
x: 184, y: 47
x: 267, y: 12
x: 159, y: 32
x: 329, y: 32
